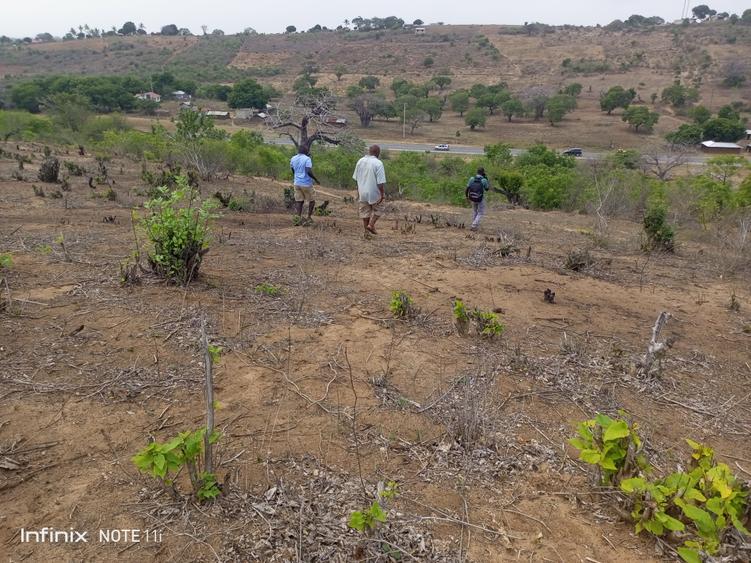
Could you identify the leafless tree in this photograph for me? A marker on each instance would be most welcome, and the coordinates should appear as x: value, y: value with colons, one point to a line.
x: 536, y: 99
x: 309, y: 119
x: 663, y: 160
x: 602, y: 205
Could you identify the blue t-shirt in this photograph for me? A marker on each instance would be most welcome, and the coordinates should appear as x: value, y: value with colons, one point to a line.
x: 299, y: 163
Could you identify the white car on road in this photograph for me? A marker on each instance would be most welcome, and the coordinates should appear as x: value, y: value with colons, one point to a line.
x: 441, y: 148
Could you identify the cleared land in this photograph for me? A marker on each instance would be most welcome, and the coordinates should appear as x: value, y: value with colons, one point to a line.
x: 473, y: 431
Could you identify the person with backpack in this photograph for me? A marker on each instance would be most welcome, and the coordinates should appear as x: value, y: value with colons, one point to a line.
x: 475, y: 193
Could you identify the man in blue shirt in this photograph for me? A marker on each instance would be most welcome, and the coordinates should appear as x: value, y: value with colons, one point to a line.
x: 302, y: 168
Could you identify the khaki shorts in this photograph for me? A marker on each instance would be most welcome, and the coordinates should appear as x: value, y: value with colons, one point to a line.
x: 305, y: 193
x: 367, y: 210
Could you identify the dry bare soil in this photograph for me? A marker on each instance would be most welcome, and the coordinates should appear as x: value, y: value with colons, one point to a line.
x: 322, y: 392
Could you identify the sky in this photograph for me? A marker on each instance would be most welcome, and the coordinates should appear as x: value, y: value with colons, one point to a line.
x: 19, y: 18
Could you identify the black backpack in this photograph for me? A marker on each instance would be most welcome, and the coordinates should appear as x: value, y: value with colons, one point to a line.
x: 476, y: 191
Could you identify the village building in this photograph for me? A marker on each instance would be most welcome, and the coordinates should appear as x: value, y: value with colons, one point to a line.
x: 217, y: 114
x: 150, y: 96
x: 181, y: 96
x: 714, y: 147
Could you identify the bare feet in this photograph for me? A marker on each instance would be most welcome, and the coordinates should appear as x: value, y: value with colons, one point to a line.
x: 371, y: 230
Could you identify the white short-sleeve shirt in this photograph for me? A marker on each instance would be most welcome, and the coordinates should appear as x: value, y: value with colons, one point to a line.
x: 369, y: 172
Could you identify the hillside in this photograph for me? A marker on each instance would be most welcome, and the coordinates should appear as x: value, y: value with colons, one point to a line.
x: 647, y: 60
x: 651, y: 56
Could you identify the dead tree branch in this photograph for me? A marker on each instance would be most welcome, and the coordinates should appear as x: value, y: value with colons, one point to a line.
x: 656, y: 349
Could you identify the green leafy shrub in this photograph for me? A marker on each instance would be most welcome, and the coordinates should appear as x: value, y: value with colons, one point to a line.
x: 49, y: 170
x: 660, y: 235
x: 402, y: 306
x: 699, y: 506
x: 703, y: 504
x: 365, y: 520
x: 612, y: 445
x: 165, y: 461
x: 487, y: 323
x: 268, y: 289
x: 461, y: 316
x: 163, y: 177
x: 6, y: 261
x: 244, y: 202
x: 74, y: 169
x: 178, y: 227
x: 510, y: 184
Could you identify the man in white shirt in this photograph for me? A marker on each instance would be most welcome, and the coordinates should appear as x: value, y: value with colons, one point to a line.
x: 371, y: 181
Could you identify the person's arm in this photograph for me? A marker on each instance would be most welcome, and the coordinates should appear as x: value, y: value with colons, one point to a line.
x: 309, y: 172
x: 381, y: 181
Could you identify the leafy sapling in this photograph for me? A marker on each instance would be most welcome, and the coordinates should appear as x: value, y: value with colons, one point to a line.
x: 268, y: 289
x: 165, y: 461
x: 461, y: 316
x: 487, y: 323
x: 613, y: 446
x: 368, y: 520
x: 402, y: 306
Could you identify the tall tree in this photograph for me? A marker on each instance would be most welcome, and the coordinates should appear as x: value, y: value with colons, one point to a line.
x: 128, y: 28
x: 640, y: 116
x: 512, y: 107
x: 616, y: 97
x: 459, y: 102
x: 476, y: 117
x: 247, y: 94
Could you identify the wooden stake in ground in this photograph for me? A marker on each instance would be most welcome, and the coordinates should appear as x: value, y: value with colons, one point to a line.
x: 208, y: 464
x: 655, y: 349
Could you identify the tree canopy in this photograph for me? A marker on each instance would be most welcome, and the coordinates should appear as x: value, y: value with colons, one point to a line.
x: 248, y: 94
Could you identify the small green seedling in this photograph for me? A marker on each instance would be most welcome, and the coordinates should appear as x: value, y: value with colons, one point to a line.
x: 368, y: 520
x: 268, y: 289
x: 6, y: 261
x: 402, y: 306
x: 165, y: 461
x: 215, y: 352
x: 612, y: 445
x: 487, y: 323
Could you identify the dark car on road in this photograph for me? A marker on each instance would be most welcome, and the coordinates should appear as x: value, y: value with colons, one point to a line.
x: 572, y: 152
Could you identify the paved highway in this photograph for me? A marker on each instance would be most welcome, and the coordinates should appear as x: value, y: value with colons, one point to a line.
x: 699, y: 159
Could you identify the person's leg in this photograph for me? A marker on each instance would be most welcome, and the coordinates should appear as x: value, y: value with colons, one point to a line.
x: 374, y: 215
x: 311, y: 194
x: 299, y: 201
x: 363, y: 211
x: 479, y: 212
